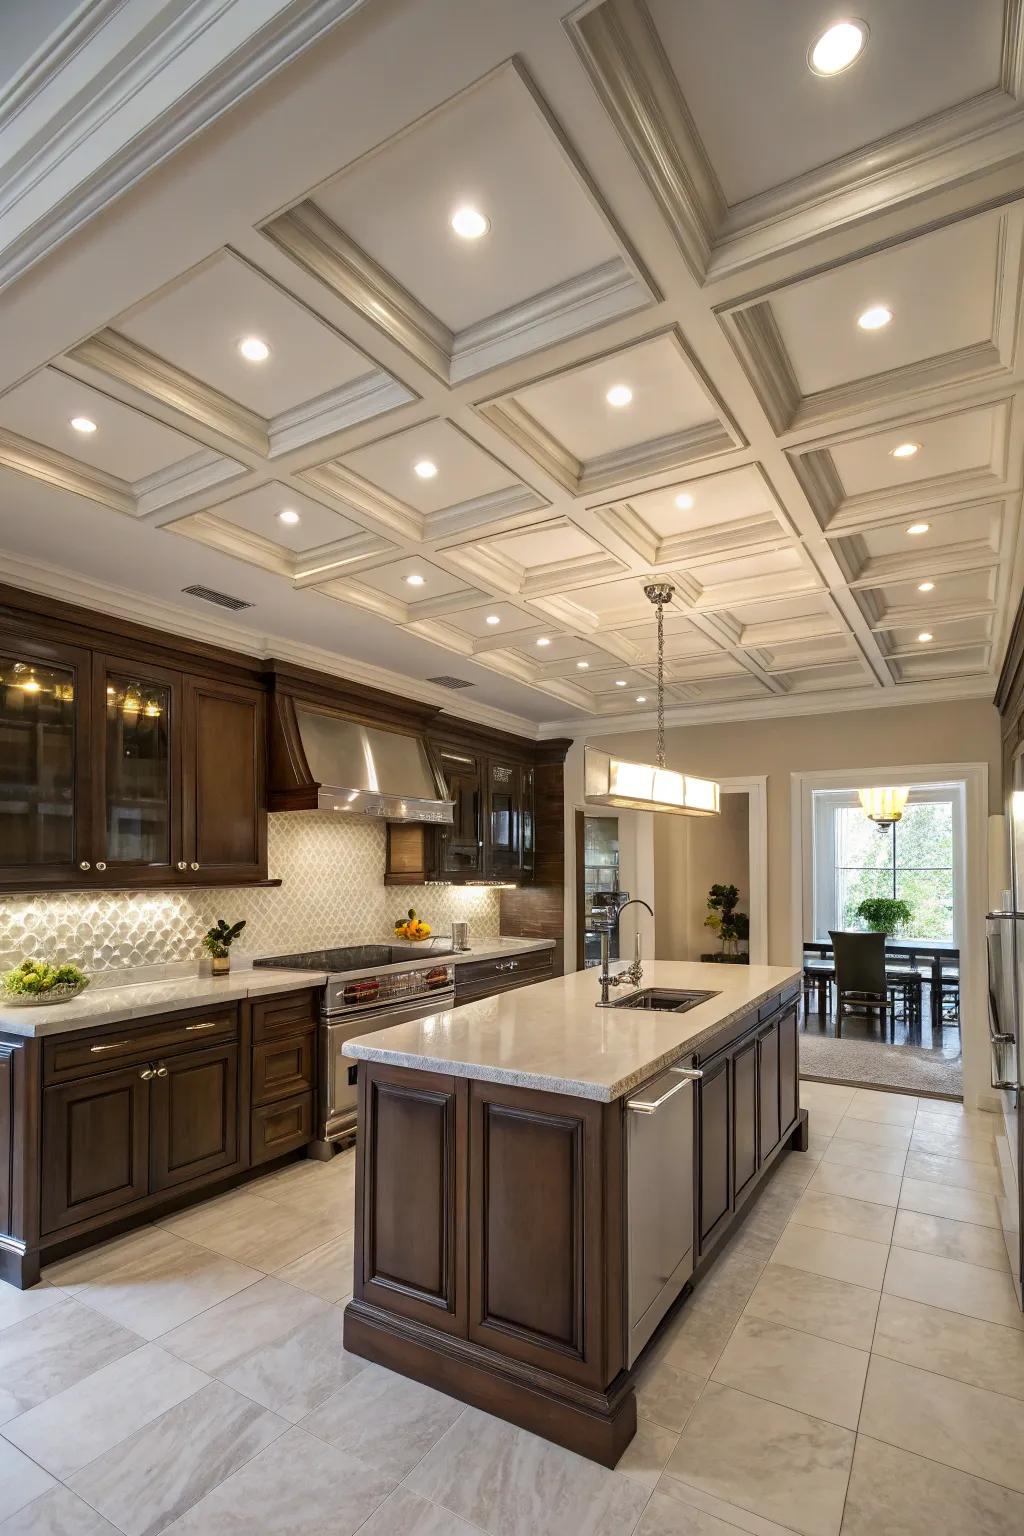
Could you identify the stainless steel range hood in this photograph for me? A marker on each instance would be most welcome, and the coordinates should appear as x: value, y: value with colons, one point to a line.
x: 366, y: 770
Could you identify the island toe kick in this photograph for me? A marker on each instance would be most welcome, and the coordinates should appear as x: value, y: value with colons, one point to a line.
x: 501, y: 1229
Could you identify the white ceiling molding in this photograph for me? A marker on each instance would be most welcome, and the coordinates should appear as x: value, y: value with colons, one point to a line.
x: 119, y: 89
x: 626, y: 59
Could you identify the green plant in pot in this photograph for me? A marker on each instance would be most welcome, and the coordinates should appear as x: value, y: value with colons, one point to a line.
x: 884, y: 914
x: 732, y: 927
x: 218, y: 942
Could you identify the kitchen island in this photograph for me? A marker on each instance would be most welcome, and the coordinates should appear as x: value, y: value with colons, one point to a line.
x: 539, y: 1179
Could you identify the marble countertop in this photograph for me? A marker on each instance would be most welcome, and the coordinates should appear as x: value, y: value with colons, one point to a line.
x: 552, y: 1037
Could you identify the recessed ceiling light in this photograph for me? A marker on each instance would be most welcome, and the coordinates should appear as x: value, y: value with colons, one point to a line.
x: 469, y: 223
x: 926, y: 586
x: 905, y: 450
x: 415, y: 580
x: 916, y: 528
x: 838, y: 47
x: 289, y: 516
x: 619, y: 395
x: 83, y: 424
x: 620, y: 682
x: 492, y: 618
x: 641, y: 698
x: 583, y: 666
x: 924, y: 636
x: 425, y: 468
x: 684, y: 501
x: 543, y: 640
x: 254, y: 349
x: 875, y: 318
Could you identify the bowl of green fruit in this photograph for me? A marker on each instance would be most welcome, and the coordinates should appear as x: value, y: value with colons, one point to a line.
x: 35, y: 982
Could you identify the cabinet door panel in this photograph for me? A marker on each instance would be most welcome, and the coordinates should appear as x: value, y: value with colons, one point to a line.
x: 195, y: 1116
x: 504, y: 818
x: 715, y: 1131
x: 789, y: 1068
x: 95, y: 1147
x: 462, y: 844
x: 137, y: 770
x: 223, y: 789
x: 768, y: 1089
x: 45, y: 740
x: 744, y: 1096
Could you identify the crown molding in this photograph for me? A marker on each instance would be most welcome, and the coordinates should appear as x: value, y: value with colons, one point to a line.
x: 363, y: 399
x: 94, y: 111
x: 67, y: 474
x: 167, y: 487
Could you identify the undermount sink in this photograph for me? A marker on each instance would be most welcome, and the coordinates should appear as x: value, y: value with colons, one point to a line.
x: 661, y: 999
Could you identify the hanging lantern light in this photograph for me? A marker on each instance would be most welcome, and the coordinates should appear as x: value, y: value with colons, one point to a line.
x: 883, y: 806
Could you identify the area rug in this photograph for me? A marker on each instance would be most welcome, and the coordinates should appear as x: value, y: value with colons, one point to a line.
x: 911, y: 1067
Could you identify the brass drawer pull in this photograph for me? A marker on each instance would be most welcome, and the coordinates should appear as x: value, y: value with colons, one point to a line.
x: 115, y: 1045
x: 147, y: 1073
x: 209, y: 1024
x: 161, y: 1070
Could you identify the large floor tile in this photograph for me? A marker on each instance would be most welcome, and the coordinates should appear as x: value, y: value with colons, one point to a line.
x: 883, y: 1109
x: 647, y: 1453
x: 959, y: 1426
x: 951, y: 1239
x: 386, y: 1420
x: 254, y: 1231
x: 156, y: 1290
x: 81, y: 1269
x: 858, y: 1154
x: 47, y: 1353
x: 330, y: 1201
x: 873, y: 1133
x: 229, y: 1333
x: 826, y: 1095
x: 982, y: 1354
x: 295, y: 1487
x: 158, y: 1473
x: 966, y: 1288
x: 679, y: 1509
x: 937, y: 1141
x: 953, y: 1172
x: 833, y: 1254
x: 840, y: 1213
x: 326, y: 1271
x: 21, y: 1480
x: 895, y: 1493
x: 406, y: 1514
x: 784, y: 1465
x: 795, y: 1369
x: 856, y: 1183
x: 666, y: 1391
x: 971, y: 1122
x: 957, y: 1204
x: 511, y: 1483
x: 68, y: 1431
x: 831, y: 1309
x: 57, y: 1513
x: 298, y: 1371
x: 15, y: 1306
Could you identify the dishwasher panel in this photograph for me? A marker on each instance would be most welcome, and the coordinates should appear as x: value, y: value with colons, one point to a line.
x: 659, y: 1201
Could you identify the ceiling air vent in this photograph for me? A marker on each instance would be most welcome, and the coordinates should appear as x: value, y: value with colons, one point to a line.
x: 450, y: 682
x: 222, y: 599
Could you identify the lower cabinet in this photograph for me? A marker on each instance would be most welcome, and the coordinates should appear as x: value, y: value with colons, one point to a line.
x: 485, y: 978
x: 95, y: 1146
x: 193, y: 1118
x: 715, y: 1123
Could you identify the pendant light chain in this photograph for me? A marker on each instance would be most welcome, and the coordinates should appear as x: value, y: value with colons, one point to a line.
x: 660, y: 593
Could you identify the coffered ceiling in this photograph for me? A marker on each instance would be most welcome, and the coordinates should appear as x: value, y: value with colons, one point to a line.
x: 712, y: 318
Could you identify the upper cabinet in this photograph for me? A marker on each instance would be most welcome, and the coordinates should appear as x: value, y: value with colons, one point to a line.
x: 120, y: 772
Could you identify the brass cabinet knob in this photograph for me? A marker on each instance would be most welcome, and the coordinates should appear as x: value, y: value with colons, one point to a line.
x: 193, y: 866
x: 85, y: 864
x: 147, y: 1073
x: 100, y: 864
x: 182, y: 864
x: 161, y: 1070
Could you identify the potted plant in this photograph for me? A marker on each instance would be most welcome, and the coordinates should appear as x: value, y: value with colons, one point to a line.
x: 732, y: 927
x: 218, y: 942
x: 884, y: 914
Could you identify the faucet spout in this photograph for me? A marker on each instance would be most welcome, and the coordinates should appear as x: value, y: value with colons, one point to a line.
x: 633, y: 973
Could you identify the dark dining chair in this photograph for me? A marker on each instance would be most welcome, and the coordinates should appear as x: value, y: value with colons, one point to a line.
x: 860, y: 975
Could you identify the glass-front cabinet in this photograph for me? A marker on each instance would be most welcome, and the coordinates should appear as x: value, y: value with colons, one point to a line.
x: 44, y: 729
x: 137, y: 790
x: 504, y: 814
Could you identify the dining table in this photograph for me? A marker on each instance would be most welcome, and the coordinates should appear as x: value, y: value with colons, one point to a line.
x: 935, y: 953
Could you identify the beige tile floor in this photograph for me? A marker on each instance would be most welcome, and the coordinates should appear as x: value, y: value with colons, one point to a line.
x: 854, y: 1363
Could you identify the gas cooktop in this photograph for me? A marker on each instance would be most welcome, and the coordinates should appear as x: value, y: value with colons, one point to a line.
x: 354, y: 957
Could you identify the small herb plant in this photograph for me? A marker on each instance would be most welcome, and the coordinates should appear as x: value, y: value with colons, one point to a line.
x: 723, y: 919
x: 883, y: 914
x: 220, y: 939
x: 34, y: 978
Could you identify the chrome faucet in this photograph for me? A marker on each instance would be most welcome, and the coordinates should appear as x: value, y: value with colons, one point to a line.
x: 633, y: 973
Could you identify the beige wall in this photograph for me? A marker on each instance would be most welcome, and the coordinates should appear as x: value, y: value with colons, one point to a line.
x: 954, y: 732
x: 690, y: 857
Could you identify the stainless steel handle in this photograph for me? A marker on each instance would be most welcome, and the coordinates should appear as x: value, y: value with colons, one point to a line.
x: 193, y: 865
x: 211, y: 1024
x: 100, y: 864
x: 183, y: 864
x: 651, y: 1106
x: 161, y: 1070
x: 1002, y: 1039
x: 114, y: 1045
x: 692, y: 1074
x: 147, y: 1073
x: 85, y: 864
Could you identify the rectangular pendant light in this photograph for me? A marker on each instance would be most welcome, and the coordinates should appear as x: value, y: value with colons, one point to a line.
x: 611, y: 780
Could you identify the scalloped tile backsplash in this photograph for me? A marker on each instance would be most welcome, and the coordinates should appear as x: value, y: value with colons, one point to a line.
x: 333, y: 892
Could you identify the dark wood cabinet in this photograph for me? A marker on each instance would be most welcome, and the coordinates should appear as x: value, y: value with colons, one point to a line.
x: 137, y: 813
x: 95, y: 1146
x: 714, y: 1133
x: 744, y: 1103
x: 789, y: 1071
x: 504, y: 819
x: 485, y: 978
x: 194, y: 1116
x: 769, y: 1127
x: 460, y: 851
x: 225, y: 827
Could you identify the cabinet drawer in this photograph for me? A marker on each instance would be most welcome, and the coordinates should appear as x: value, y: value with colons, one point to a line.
x: 65, y: 1058
x: 478, y: 977
x: 283, y: 1068
x: 290, y: 1014
x: 282, y: 1127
